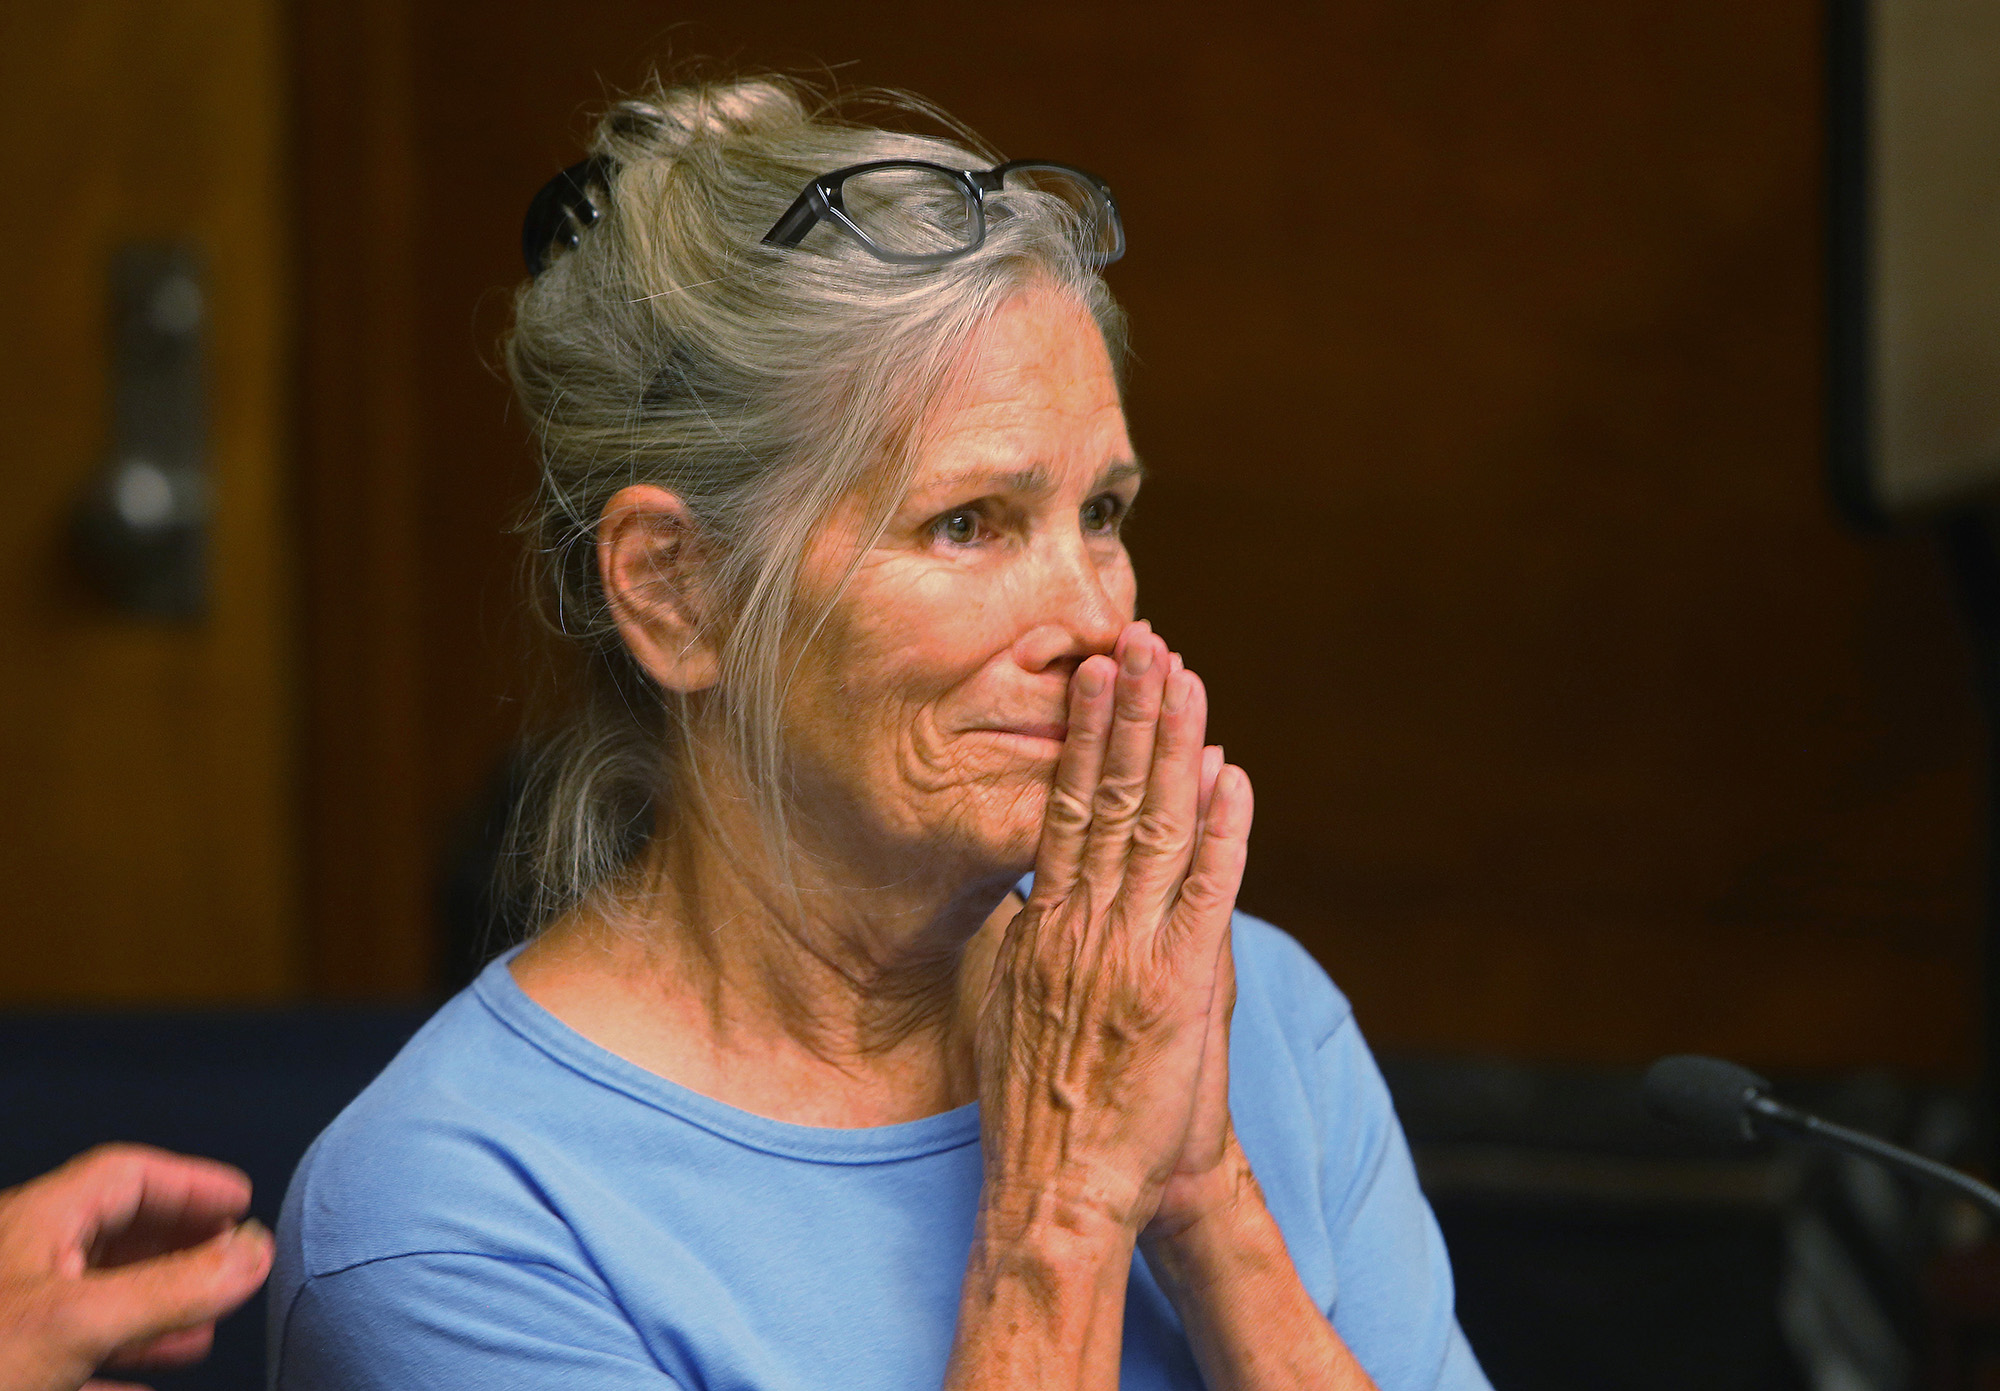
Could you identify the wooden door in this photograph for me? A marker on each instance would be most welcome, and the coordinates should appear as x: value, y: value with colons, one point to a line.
x: 147, y: 825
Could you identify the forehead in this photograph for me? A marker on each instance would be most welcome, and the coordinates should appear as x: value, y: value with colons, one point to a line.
x: 1034, y: 388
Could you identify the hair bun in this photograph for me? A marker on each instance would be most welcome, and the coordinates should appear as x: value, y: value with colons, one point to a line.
x: 705, y: 111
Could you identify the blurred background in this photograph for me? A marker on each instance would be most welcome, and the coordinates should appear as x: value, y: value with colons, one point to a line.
x: 1481, y: 373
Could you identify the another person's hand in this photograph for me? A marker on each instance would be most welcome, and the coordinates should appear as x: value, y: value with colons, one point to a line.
x: 1104, y: 1053
x: 125, y: 1256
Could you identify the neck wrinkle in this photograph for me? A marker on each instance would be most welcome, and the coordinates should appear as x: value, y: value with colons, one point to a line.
x: 860, y: 978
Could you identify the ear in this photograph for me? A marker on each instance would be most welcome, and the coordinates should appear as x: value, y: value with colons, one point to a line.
x: 650, y: 565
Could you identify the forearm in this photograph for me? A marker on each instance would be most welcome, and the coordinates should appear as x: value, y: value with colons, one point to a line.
x: 1248, y: 1316
x: 1043, y: 1304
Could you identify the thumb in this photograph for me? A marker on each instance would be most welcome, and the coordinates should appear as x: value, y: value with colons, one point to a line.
x: 136, y: 1302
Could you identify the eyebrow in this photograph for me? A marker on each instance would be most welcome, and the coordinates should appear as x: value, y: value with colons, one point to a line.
x: 1029, y: 480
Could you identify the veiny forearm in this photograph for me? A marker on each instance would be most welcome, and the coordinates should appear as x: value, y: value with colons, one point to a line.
x: 1249, y: 1318
x: 1043, y: 1304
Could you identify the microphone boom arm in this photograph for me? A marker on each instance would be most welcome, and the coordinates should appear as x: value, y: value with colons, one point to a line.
x: 1774, y: 1117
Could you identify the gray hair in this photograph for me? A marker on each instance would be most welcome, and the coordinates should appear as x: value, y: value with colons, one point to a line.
x: 762, y: 386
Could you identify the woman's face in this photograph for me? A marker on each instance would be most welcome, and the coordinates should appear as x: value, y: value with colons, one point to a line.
x: 929, y: 711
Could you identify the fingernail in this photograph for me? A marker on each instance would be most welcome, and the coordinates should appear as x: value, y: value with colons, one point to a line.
x: 1176, y: 693
x: 1138, y: 658
x: 1089, y: 680
x: 1178, y: 664
x: 247, y: 1244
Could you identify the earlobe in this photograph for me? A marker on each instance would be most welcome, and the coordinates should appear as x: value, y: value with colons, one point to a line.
x: 650, y: 564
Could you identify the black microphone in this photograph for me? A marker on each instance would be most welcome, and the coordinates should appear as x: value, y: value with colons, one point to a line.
x: 1728, y: 1104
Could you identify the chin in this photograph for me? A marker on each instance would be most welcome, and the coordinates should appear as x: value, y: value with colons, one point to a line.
x: 1010, y: 826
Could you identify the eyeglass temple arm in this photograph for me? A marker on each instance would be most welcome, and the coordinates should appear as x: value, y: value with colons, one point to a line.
x: 799, y: 219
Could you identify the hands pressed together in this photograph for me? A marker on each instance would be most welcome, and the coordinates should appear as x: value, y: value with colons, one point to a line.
x: 1104, y: 1067
x: 125, y: 1256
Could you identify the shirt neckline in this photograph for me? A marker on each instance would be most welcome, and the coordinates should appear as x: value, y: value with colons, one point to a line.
x: 502, y: 995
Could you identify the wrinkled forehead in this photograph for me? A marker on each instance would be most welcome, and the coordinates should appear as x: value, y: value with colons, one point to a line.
x: 1034, y: 390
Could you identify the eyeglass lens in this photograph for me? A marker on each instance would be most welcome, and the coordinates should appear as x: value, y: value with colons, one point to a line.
x: 1096, y: 225
x: 911, y: 210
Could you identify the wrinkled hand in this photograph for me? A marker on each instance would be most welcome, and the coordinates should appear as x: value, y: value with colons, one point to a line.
x: 125, y: 1255
x: 1104, y: 1042
x: 1212, y: 1170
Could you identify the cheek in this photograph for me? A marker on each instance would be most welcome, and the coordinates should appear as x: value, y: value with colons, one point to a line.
x: 886, y: 661
x: 915, y: 640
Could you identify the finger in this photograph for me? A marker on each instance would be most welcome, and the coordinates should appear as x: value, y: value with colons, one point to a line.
x: 1163, y: 839
x: 137, y: 1303
x: 1128, y: 759
x: 175, y: 1349
x: 1222, y: 1007
x: 1208, y: 893
x: 1066, y: 820
x: 1212, y: 1080
x: 106, y: 1191
x: 1211, y: 764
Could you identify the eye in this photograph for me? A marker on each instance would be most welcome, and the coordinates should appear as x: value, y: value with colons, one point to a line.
x: 1103, y: 512
x: 960, y: 526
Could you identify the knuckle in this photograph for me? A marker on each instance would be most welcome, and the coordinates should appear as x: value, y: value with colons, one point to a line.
x: 1138, y: 700
x: 1066, y: 811
x: 1159, y: 831
x: 1117, y: 803
x: 1205, y: 891
x: 1083, y: 737
x: 116, y: 1160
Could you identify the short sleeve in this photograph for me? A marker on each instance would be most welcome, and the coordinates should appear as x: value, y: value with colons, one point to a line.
x: 1395, y: 1309
x: 447, y: 1319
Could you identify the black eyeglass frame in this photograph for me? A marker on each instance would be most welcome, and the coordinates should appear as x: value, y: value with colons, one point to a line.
x: 821, y: 202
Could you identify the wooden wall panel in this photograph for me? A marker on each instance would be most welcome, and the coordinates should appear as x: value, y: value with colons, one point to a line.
x: 148, y: 835
x: 1478, y: 367
x: 369, y: 855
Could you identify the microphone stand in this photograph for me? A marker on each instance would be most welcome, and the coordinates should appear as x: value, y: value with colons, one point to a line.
x: 1774, y: 1117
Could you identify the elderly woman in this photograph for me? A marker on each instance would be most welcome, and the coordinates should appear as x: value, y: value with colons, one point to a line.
x: 803, y: 1085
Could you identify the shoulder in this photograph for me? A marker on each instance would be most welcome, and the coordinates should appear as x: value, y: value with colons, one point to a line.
x: 1274, y: 973
x: 1298, y: 1061
x: 429, y: 1158
x: 1302, y: 1077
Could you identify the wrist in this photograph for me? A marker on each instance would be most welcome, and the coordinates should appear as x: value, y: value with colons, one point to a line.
x: 1053, y: 1222
x: 1211, y: 1197
x: 1044, y: 1294
x: 1217, y: 1222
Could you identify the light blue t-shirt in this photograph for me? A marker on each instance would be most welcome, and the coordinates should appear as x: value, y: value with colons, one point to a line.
x: 510, y: 1207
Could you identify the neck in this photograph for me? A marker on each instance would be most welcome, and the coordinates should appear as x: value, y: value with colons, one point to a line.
x: 820, y: 989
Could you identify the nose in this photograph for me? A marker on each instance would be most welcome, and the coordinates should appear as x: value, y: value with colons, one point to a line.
x: 1080, y: 609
